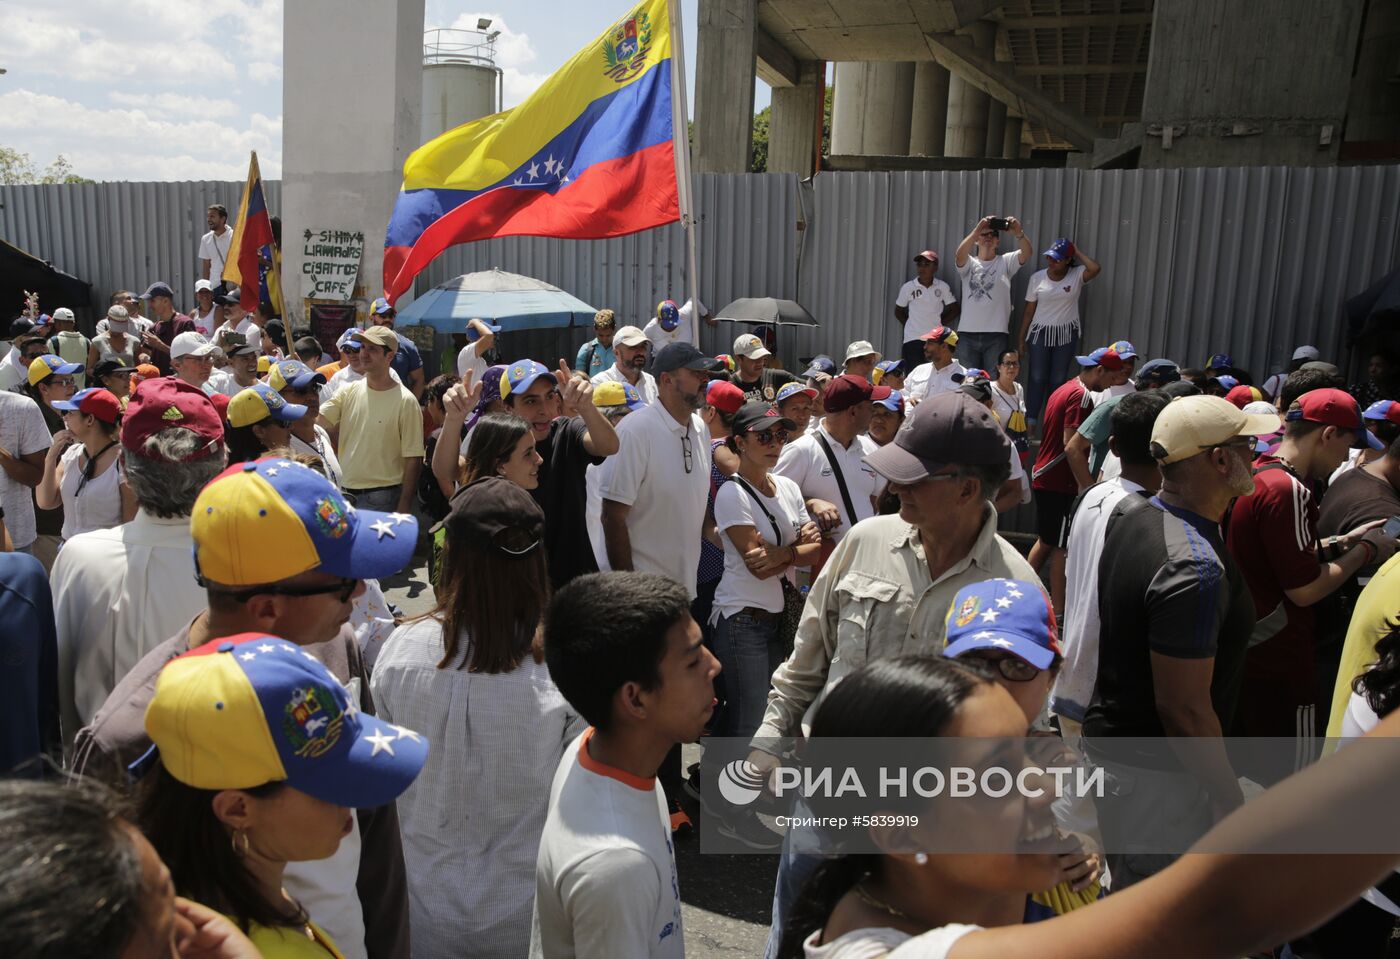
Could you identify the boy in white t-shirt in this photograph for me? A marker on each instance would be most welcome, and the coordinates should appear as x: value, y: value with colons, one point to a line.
x: 625, y: 652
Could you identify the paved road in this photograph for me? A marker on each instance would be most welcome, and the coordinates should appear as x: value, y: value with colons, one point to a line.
x: 726, y: 900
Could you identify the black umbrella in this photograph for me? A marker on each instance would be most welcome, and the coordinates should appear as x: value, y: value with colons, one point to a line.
x: 1377, y: 306
x: 766, y: 310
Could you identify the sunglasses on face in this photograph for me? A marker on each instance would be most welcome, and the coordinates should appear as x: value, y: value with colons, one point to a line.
x: 343, y: 588
x: 767, y: 437
x: 1013, y: 668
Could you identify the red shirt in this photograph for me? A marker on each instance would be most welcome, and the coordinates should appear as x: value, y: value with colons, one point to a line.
x: 1273, y: 536
x: 1067, y: 408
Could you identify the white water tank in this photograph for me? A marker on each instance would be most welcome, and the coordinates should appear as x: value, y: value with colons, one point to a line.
x: 461, y: 81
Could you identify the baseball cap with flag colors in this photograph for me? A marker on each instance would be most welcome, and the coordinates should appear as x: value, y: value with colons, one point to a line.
x: 521, y: 375
x: 253, y: 709
x: 50, y: 365
x: 261, y: 402
x: 942, y: 334
x: 272, y: 519
x: 612, y: 394
x: 1383, y: 410
x: 1105, y: 356
x: 293, y: 373
x: 1005, y: 614
x: 1190, y: 425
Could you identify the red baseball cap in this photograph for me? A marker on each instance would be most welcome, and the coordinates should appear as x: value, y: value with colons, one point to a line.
x: 1243, y: 395
x: 724, y: 396
x: 165, y: 403
x: 221, y: 402
x: 845, y: 391
x: 93, y: 401
x: 1332, y: 407
x: 929, y: 255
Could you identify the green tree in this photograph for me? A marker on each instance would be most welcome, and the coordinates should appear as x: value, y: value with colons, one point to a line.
x: 17, y: 167
x: 761, y: 121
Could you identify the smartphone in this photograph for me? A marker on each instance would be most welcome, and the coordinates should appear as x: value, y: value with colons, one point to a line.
x: 999, y: 223
x: 1391, y: 529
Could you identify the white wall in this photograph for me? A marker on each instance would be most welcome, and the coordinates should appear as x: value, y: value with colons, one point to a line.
x: 351, y: 106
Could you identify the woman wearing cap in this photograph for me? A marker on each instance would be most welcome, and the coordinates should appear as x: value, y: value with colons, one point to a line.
x: 114, y: 378
x: 891, y: 373
x: 765, y: 529
x: 114, y: 344
x: 259, y: 419
x: 263, y: 755
x: 471, y: 675
x: 82, y: 472
x: 1050, y: 324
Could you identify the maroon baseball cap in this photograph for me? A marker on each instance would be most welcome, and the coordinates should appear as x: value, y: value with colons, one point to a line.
x: 1333, y: 407
x: 929, y: 255
x: 165, y: 403
x: 845, y: 391
x: 724, y: 396
x: 943, y: 430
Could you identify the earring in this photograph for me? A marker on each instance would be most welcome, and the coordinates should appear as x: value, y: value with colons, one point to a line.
x: 241, y: 846
x: 921, y: 858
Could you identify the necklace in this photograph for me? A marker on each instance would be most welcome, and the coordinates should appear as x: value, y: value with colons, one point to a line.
x: 870, y: 899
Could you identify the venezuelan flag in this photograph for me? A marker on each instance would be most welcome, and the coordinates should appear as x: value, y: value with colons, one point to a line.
x: 589, y: 155
x: 252, y: 230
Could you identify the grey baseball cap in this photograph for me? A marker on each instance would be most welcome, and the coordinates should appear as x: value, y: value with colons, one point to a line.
x: 945, y: 430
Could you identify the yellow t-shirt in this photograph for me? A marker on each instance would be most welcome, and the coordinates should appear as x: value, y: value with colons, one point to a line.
x: 282, y: 942
x: 379, y: 429
x: 1375, y: 607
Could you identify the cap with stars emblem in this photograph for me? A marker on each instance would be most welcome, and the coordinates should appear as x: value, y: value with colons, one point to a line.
x: 272, y: 519
x: 251, y: 709
x: 1003, y: 614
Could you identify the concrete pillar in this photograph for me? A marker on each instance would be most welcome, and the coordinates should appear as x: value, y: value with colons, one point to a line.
x: 929, y: 120
x: 342, y: 167
x: 870, y: 112
x: 792, y: 127
x: 724, y: 79
x: 996, y: 126
x: 1011, y: 138
x: 968, y: 104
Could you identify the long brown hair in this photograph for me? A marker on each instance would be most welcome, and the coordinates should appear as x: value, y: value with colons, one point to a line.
x: 493, y: 442
x: 495, y: 601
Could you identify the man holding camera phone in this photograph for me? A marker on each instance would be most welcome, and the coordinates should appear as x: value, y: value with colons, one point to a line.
x: 983, y: 329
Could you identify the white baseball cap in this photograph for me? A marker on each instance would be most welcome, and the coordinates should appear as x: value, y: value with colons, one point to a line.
x: 629, y: 336
x: 1307, y: 353
x: 201, y: 285
x: 750, y: 347
x: 64, y: 314
x: 191, y: 344
x: 1193, y: 424
x: 862, y: 348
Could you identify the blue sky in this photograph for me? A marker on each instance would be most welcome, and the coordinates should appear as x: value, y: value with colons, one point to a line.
x: 155, y: 90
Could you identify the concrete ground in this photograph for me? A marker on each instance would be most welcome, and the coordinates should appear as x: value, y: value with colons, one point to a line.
x: 726, y: 900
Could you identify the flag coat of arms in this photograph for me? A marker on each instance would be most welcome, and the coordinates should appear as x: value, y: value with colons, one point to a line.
x: 588, y: 155
x: 252, y: 230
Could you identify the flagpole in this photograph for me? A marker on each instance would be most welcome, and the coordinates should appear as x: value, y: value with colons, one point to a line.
x: 680, y: 142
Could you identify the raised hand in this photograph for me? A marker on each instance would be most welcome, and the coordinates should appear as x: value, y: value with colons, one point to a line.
x: 459, y: 401
x: 574, y: 388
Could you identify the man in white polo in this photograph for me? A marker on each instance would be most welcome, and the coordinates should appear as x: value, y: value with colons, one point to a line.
x: 833, y: 455
x: 630, y: 352
x: 655, y: 488
x: 923, y: 303
x: 941, y: 373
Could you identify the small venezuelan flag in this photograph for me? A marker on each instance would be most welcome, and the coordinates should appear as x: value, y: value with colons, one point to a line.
x: 588, y: 155
x: 252, y: 230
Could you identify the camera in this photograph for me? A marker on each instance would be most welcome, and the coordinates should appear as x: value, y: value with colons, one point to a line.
x: 999, y: 223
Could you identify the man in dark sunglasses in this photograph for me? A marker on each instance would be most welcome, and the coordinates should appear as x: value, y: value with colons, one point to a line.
x: 279, y: 551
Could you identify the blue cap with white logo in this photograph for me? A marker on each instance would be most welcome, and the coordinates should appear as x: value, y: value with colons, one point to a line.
x: 1004, y: 614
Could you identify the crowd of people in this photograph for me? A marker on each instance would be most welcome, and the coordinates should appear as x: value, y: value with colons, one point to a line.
x: 227, y: 742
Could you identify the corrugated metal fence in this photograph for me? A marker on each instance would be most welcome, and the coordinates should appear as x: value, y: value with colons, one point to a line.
x: 1250, y: 261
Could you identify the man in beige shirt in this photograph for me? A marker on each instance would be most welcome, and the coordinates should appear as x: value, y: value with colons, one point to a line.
x: 377, y: 427
x: 887, y: 587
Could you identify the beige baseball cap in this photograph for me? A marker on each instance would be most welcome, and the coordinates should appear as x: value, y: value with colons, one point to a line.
x: 750, y: 347
x: 629, y: 336
x: 379, y: 336
x: 1193, y: 424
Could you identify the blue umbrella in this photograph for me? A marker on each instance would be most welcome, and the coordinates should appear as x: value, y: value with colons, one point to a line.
x: 513, y: 301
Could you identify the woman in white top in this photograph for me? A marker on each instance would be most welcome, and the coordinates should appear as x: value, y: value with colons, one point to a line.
x: 82, y: 472
x: 471, y: 677
x: 1050, y: 323
x: 902, y: 905
x: 765, y: 531
x: 115, y: 343
x: 1009, y: 403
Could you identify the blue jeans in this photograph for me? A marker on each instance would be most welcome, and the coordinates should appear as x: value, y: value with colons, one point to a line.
x: 747, y: 647
x: 794, y: 869
x: 1049, y: 367
x: 982, y: 350
x: 384, y: 500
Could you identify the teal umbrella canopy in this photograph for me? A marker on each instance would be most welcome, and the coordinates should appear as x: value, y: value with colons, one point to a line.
x: 512, y: 301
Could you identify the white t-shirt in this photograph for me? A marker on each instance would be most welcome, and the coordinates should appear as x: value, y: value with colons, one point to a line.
x: 222, y: 381
x: 22, y: 431
x: 925, y: 305
x: 734, y: 506
x: 1057, y: 304
x: 986, y: 288
x: 593, y: 515
x: 99, y: 504
x: 683, y: 332
x: 215, y: 250
x: 924, y: 381
x: 646, y: 385
x: 886, y: 943
x: 468, y: 360
x: 1075, y: 683
x: 804, y: 462
x: 605, y: 879
x: 648, y: 473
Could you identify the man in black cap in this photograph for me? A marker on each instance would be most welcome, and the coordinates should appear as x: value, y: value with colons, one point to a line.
x: 168, y: 324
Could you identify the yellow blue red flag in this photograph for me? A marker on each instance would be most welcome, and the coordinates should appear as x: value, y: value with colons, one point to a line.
x: 252, y: 230
x: 588, y: 155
